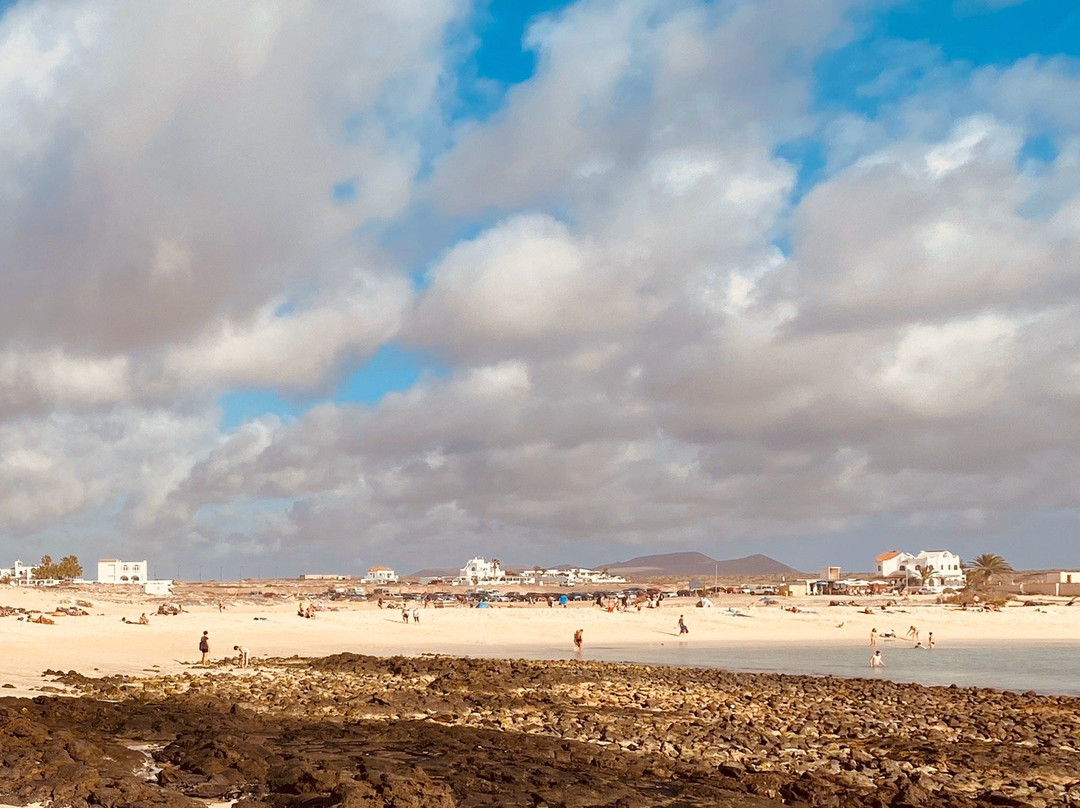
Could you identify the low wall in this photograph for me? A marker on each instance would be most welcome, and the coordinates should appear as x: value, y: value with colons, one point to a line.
x: 1061, y: 590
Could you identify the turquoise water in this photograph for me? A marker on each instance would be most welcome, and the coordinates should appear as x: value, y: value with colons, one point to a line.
x: 1050, y: 668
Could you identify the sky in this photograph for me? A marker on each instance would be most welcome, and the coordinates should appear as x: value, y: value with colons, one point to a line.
x: 295, y: 286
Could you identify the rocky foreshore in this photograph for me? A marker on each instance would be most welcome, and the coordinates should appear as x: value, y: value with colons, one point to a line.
x: 351, y: 730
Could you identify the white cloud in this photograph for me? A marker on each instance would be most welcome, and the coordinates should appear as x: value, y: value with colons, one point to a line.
x: 294, y: 350
x: 952, y: 370
x: 30, y: 381
x: 525, y: 282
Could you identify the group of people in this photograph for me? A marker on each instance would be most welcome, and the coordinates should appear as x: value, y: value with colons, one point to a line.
x: 243, y: 654
x: 876, y: 661
x: 912, y: 634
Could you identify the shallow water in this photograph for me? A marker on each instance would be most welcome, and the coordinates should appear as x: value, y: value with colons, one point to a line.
x: 1046, y: 667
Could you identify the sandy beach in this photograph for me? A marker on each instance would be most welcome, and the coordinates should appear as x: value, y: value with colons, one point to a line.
x: 101, y: 644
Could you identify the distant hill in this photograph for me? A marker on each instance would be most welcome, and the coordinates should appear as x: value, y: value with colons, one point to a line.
x: 699, y: 564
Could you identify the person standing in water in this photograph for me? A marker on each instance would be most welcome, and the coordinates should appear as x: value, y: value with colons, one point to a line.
x: 578, y: 640
x: 873, y: 637
x: 876, y: 661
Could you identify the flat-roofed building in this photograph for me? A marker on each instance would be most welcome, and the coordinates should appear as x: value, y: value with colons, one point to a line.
x: 116, y: 571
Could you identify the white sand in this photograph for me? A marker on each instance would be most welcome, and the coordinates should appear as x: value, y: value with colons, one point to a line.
x: 100, y: 644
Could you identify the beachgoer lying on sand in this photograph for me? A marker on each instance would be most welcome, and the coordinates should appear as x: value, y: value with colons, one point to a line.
x: 43, y: 620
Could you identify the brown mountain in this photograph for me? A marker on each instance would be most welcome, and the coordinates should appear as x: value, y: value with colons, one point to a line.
x: 699, y: 564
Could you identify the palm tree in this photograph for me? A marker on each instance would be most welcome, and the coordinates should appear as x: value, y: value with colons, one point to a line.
x: 927, y: 574
x: 987, y: 567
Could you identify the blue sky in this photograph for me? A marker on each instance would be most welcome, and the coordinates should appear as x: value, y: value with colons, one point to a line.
x: 763, y: 276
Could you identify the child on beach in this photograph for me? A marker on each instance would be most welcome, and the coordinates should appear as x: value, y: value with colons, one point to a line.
x: 682, y: 626
x: 244, y: 655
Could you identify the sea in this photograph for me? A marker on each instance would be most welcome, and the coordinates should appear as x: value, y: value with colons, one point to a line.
x: 1050, y: 668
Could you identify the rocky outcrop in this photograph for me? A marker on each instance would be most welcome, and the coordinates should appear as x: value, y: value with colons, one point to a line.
x: 362, y: 731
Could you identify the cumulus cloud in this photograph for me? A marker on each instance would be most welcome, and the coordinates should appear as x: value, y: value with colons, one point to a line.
x: 167, y: 167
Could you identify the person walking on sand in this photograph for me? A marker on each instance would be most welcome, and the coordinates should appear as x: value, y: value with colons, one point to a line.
x: 204, y: 647
x: 930, y: 640
x: 876, y: 661
x: 913, y: 633
x: 682, y: 626
x: 244, y: 655
x: 416, y: 615
x: 578, y: 640
x: 873, y: 637
x: 405, y: 614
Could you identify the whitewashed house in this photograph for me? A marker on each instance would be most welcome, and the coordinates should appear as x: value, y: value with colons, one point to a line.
x: 381, y: 575
x: 115, y: 571
x: 19, y: 575
x: 947, y: 568
x: 894, y: 561
x: 479, y: 571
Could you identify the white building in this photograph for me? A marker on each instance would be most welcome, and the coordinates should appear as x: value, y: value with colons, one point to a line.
x: 894, y: 561
x: 159, y: 588
x: 479, y: 571
x: 580, y: 575
x: 115, y: 571
x: 381, y: 575
x: 947, y: 570
x: 20, y: 574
